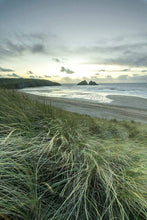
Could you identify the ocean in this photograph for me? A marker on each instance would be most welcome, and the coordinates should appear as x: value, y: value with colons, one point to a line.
x: 92, y: 93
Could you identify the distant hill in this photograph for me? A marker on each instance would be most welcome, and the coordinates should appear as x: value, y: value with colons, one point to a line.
x: 20, y: 83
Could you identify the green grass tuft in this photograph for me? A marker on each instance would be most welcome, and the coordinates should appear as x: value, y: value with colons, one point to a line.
x: 59, y: 165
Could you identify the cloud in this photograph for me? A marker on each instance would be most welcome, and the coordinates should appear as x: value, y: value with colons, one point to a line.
x: 19, y: 46
x: 57, y: 60
x: 30, y: 73
x: 112, y: 71
x: 133, y: 78
x: 12, y: 50
x: 5, y: 70
x: 102, y: 70
x: 124, y: 78
x: 128, y: 52
x: 14, y: 75
x: 144, y: 71
x: 117, y: 53
x: 126, y: 70
x: 62, y: 60
x: 109, y: 77
x: 38, y: 48
x: 68, y: 71
x: 133, y: 59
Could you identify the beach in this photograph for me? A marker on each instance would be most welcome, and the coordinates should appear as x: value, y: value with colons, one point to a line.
x: 122, y: 108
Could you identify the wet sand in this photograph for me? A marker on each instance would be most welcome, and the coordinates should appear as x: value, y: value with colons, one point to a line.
x: 122, y: 108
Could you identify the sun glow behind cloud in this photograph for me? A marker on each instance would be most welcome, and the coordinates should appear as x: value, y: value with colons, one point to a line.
x: 73, y: 40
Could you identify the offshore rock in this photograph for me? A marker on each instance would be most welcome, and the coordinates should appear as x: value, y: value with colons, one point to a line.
x: 84, y: 82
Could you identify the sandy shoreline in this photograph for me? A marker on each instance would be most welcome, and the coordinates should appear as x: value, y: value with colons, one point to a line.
x: 133, y: 108
x: 128, y: 101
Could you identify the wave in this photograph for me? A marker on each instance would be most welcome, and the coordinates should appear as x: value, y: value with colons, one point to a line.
x: 91, y: 93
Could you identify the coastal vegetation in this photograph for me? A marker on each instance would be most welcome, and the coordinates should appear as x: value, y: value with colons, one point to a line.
x: 20, y: 83
x: 59, y: 165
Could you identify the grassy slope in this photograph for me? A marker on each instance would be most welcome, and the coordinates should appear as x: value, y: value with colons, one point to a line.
x: 60, y: 165
x: 20, y: 83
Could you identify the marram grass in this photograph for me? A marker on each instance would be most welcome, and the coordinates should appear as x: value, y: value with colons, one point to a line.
x: 58, y: 165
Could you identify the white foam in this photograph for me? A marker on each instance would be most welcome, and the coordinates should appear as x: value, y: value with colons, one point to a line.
x: 97, y: 93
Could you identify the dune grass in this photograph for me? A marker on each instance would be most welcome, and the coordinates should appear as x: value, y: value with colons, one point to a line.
x: 59, y: 165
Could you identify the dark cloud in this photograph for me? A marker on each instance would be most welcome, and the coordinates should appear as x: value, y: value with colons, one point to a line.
x: 5, y: 70
x: 114, y: 70
x: 130, y: 54
x: 30, y: 73
x: 14, y: 75
x: 42, y: 77
x: 57, y: 60
x: 62, y: 50
x: 134, y: 78
x: 120, y: 79
x: 23, y: 43
x: 133, y: 60
x: 126, y: 70
x: 10, y: 48
x: 91, y: 21
x: 102, y: 70
x: 125, y: 48
x: 38, y: 48
x: 109, y: 77
x: 14, y: 48
x: 68, y: 71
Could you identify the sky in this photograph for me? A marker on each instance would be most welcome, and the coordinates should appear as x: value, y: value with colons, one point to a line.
x: 73, y: 40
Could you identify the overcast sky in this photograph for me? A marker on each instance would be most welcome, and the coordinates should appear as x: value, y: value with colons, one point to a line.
x: 64, y: 40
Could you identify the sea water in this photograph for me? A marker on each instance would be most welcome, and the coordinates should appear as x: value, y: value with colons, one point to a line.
x: 92, y: 93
